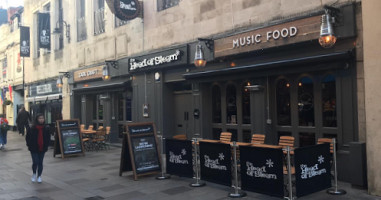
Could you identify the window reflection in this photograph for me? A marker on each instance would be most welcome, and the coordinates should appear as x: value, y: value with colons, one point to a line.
x: 306, y: 102
x: 283, y: 102
x: 216, y: 104
x: 231, y: 104
x: 246, y: 105
x: 329, y: 101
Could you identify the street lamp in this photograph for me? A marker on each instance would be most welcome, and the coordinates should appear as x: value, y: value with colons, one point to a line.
x: 106, y: 69
x: 327, y: 37
x: 57, y: 30
x: 59, y: 82
x: 199, y: 59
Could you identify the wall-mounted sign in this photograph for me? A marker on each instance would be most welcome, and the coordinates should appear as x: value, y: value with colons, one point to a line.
x: 87, y: 74
x: 24, y: 42
x: 125, y: 9
x: 44, y: 30
x: 277, y: 35
x: 44, y: 89
x: 161, y: 59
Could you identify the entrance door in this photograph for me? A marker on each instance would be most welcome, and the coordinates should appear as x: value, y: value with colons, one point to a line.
x: 183, y: 115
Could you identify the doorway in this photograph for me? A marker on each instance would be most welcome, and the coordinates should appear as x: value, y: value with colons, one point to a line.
x: 183, y: 116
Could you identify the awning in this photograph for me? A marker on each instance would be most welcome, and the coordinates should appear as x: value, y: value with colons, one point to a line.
x: 273, y: 64
x: 110, y: 87
x: 44, y: 98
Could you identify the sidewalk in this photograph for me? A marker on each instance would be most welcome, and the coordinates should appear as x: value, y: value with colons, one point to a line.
x: 96, y: 176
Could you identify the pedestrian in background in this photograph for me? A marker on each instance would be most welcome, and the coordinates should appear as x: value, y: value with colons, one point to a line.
x: 38, y: 139
x: 22, y: 120
x: 3, y: 131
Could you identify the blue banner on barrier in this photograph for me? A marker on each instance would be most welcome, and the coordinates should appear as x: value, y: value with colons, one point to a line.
x: 179, y: 157
x: 215, y: 162
x: 312, y: 169
x: 262, y: 170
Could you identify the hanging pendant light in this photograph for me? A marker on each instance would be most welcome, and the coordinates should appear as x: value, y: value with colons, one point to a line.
x: 59, y: 82
x: 327, y: 38
x: 199, y: 60
x: 106, y: 73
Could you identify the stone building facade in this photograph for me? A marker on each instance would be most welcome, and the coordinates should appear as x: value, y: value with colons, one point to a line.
x: 91, y: 35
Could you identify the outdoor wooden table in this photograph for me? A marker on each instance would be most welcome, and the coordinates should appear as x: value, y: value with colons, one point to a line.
x: 211, y: 141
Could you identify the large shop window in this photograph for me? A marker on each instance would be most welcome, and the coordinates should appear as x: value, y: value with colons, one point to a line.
x: 283, y: 102
x: 216, y: 104
x: 231, y: 104
x: 306, y: 102
x: 329, y: 101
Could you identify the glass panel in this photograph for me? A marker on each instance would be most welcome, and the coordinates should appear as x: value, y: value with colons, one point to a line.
x: 231, y: 105
x: 246, y: 105
x: 328, y: 90
x: 234, y: 134
x: 216, y: 104
x: 95, y: 106
x: 216, y: 133
x: 120, y: 106
x: 329, y: 135
x: 306, y: 102
x: 283, y: 102
x: 246, y: 136
x: 100, y: 109
x: 129, y: 109
x: 306, y: 139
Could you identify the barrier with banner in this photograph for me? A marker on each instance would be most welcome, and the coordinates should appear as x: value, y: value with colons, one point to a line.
x: 312, y: 169
x: 262, y: 170
x: 179, y: 157
x: 215, y: 162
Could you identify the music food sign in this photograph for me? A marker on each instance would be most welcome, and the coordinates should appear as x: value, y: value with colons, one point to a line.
x: 312, y: 169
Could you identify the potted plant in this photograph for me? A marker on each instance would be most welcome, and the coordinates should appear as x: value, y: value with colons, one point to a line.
x: 8, y: 102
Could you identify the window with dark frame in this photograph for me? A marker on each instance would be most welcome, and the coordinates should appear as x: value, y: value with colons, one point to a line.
x: 99, y: 17
x: 81, y: 21
x: 165, y: 4
x: 47, y: 10
x: 4, y: 69
x: 60, y: 19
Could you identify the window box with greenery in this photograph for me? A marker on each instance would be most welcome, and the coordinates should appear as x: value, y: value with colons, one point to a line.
x: 8, y: 102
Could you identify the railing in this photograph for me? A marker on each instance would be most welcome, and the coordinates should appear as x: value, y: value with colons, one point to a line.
x: 99, y: 21
x: 81, y: 29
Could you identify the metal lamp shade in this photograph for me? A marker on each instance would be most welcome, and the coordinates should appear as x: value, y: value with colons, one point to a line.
x: 199, y: 60
x: 106, y: 73
x: 59, y: 82
x: 327, y: 38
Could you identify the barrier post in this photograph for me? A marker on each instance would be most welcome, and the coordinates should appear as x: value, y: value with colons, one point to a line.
x: 335, y: 191
x: 162, y: 176
x: 289, y: 174
x: 237, y: 193
x: 198, y: 183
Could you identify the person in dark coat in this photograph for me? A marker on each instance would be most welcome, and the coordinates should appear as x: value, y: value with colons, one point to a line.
x: 22, y: 120
x: 38, y: 139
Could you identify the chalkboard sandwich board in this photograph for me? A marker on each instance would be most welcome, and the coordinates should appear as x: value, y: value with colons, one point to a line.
x: 143, y: 157
x: 69, y: 138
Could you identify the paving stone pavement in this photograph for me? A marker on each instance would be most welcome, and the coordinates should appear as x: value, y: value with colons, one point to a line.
x: 96, y: 176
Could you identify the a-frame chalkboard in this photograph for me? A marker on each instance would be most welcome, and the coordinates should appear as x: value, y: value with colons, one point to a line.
x: 69, y: 138
x: 140, y: 152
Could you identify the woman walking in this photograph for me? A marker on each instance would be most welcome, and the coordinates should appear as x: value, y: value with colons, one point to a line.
x: 38, y: 139
x: 3, y: 132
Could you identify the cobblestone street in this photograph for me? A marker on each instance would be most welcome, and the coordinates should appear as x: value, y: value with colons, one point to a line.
x: 95, y: 176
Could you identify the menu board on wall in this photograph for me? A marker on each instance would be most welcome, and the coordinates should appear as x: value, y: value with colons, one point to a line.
x: 69, y: 138
x: 143, y: 153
